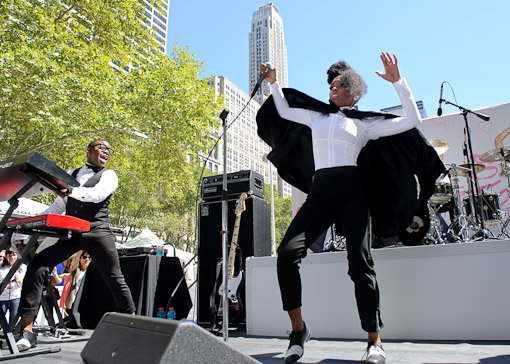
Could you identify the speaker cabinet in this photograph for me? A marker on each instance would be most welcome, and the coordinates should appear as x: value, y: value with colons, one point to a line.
x: 151, y: 279
x: 254, y: 240
x: 125, y: 339
x: 237, y: 183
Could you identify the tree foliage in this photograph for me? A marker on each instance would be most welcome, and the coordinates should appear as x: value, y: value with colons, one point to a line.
x: 282, y: 211
x: 62, y: 84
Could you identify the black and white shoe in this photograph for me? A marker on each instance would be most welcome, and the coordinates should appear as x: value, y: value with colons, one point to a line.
x: 375, y: 354
x: 27, y: 340
x: 297, y: 343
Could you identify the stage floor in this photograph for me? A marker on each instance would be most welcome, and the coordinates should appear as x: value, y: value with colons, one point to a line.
x: 323, y: 351
x: 270, y: 348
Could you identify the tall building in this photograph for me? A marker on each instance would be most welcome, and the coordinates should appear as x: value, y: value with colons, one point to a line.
x: 267, y: 45
x: 399, y: 111
x: 245, y: 150
x: 157, y: 21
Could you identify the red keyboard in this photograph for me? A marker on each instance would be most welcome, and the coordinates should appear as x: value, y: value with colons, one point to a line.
x: 50, y: 222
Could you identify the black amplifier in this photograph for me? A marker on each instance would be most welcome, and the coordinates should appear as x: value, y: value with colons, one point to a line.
x: 237, y: 183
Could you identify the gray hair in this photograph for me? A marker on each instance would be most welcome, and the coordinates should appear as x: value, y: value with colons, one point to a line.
x: 351, y: 80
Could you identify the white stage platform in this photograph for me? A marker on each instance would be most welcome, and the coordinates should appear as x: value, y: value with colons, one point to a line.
x: 435, y: 292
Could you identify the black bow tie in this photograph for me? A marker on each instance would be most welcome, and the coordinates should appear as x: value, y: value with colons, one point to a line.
x: 94, y: 168
x: 350, y: 112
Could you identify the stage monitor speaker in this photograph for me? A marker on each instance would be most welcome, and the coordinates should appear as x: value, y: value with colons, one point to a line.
x: 125, y: 339
x: 254, y: 240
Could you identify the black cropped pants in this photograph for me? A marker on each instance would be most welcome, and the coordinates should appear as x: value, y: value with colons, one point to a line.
x: 336, y: 196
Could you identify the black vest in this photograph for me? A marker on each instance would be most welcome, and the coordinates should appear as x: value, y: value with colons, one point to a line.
x: 95, y: 213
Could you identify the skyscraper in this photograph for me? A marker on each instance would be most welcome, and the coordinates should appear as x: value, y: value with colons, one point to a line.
x: 267, y: 45
x: 157, y: 21
x: 398, y: 110
x: 245, y: 150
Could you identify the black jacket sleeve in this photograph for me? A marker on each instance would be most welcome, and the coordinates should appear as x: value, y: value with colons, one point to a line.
x: 388, y: 165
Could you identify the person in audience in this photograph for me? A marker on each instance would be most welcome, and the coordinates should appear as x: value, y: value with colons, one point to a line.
x: 9, y: 299
x: 2, y: 257
x: 58, y: 279
x: 79, y: 266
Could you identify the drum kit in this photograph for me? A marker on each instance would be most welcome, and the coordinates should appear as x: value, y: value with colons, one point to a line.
x: 471, y: 215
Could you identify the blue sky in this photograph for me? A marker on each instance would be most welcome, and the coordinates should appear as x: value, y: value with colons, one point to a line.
x: 463, y: 42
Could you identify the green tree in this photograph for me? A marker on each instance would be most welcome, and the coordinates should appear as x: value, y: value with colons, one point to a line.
x: 62, y: 84
x: 282, y: 211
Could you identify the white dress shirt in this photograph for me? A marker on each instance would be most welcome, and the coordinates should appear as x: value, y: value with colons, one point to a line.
x: 336, y: 139
x: 106, y: 185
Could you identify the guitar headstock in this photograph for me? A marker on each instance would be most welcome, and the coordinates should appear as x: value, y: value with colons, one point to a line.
x: 241, y: 204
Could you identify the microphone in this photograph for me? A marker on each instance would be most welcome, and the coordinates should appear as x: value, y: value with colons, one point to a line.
x: 261, y: 78
x: 439, y: 110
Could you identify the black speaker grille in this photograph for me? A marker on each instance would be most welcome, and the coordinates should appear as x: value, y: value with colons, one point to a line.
x: 254, y: 240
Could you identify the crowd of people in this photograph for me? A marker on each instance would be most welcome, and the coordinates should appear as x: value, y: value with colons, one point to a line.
x: 68, y: 282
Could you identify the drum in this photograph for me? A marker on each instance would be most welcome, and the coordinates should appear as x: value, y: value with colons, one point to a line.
x: 490, y: 206
x: 442, y: 193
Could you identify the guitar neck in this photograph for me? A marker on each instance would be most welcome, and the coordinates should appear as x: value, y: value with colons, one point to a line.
x: 233, y: 245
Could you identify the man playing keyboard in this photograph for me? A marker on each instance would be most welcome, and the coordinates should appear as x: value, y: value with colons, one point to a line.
x: 88, y: 202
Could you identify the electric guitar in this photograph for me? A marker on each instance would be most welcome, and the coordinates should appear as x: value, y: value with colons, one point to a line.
x: 234, y: 281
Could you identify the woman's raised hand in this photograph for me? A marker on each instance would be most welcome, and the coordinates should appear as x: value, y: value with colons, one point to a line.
x: 391, y: 71
x: 271, y: 74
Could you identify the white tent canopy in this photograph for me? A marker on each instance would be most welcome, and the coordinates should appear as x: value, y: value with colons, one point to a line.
x: 26, y: 207
x: 148, y: 239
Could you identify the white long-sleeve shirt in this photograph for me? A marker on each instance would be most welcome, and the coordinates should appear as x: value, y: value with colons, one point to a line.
x: 105, y: 187
x: 13, y: 288
x: 336, y: 139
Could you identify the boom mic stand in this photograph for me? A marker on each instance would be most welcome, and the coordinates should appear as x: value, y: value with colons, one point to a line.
x: 482, y: 232
x: 224, y: 207
x: 224, y: 227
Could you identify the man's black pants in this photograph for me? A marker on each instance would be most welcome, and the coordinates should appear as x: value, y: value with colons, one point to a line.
x: 99, y: 243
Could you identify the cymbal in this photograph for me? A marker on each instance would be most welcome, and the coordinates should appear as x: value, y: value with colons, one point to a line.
x: 464, y: 169
x: 439, y: 145
x: 496, y: 155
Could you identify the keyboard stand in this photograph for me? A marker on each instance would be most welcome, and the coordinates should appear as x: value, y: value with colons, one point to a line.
x: 11, y: 342
x: 30, y: 174
x: 49, y: 305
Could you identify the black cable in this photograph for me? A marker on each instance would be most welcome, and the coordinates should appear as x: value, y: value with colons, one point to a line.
x: 199, y: 193
x: 178, y: 284
x: 453, y: 92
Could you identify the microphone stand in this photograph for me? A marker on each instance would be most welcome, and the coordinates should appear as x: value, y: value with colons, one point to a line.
x: 224, y: 228
x: 224, y: 210
x: 478, y: 210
